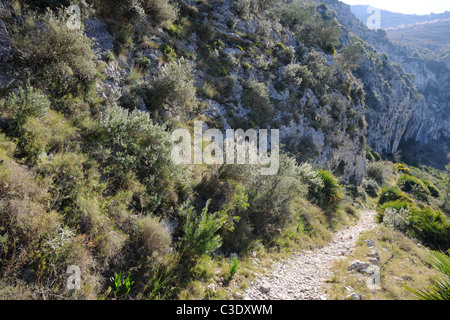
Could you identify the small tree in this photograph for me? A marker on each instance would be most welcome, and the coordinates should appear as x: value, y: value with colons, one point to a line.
x: 200, y: 235
x: 48, y: 53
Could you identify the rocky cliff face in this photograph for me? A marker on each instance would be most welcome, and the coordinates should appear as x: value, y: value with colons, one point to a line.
x: 311, y: 99
x: 430, y: 119
x: 324, y: 127
x: 391, y: 96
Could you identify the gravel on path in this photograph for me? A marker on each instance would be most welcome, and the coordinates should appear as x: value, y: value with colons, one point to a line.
x: 303, y: 276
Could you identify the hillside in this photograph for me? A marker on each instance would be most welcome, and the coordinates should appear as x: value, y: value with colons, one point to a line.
x: 431, y: 39
x: 117, y: 165
x: 428, y: 127
x: 395, y: 19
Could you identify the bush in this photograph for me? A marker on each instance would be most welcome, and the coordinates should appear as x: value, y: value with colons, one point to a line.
x: 399, y: 220
x: 330, y: 194
x: 400, y: 167
x: 200, y: 235
x: 349, y: 56
x: 76, y: 191
x: 371, y: 187
x: 269, y: 204
x: 152, y: 240
x: 25, y: 103
x: 50, y: 134
x: 434, y: 191
x: 391, y: 194
x: 50, y: 54
x: 32, y: 234
x: 173, y: 85
x: 431, y: 227
x: 398, y: 205
x: 161, y: 11
x: 414, y: 186
x: 309, y: 26
x: 295, y: 74
x: 242, y: 8
x: 376, y: 172
x: 128, y: 142
x: 256, y: 98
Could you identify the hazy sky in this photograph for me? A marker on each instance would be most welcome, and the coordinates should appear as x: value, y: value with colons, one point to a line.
x: 407, y: 6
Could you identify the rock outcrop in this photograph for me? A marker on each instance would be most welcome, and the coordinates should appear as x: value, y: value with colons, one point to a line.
x: 424, y: 121
x: 391, y: 97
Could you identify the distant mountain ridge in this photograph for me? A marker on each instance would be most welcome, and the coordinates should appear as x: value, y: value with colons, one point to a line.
x: 430, y: 38
x: 394, y: 19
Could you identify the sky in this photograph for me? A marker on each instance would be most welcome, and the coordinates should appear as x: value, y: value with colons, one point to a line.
x: 406, y: 6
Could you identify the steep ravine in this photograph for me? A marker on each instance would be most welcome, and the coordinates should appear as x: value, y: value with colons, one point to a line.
x: 303, y: 276
x: 425, y: 121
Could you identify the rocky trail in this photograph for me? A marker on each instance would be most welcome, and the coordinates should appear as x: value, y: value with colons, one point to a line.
x: 303, y: 276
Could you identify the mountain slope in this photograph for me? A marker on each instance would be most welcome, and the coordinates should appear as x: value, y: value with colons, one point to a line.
x: 431, y: 39
x: 429, y: 124
x: 393, y: 19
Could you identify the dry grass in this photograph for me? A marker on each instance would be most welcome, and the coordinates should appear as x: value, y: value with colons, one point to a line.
x: 402, y: 262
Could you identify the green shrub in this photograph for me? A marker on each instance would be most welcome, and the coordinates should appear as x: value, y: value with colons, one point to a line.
x: 50, y: 54
x: 242, y: 8
x: 129, y: 142
x: 200, y: 235
x: 398, y: 205
x: 144, y: 63
x: 173, y: 85
x: 234, y: 265
x: 123, y: 35
x: 205, y: 32
x: 266, y: 202
x: 256, y: 98
x: 331, y: 194
x: 168, y: 52
x: 434, y: 191
x: 309, y: 26
x: 414, y: 186
x: 399, y: 220
x: 432, y: 227
x: 369, y: 156
x: 371, y: 187
x: 121, y: 287
x: 376, y: 172
x: 349, y: 56
x: 400, y: 167
x: 51, y: 134
x: 33, y: 235
x: 377, y: 156
x: 152, y: 240
x: 108, y: 56
x: 162, y: 12
x: 27, y: 102
x: 391, y: 194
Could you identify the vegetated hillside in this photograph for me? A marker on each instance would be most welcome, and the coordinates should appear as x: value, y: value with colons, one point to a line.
x: 432, y: 38
x: 409, y: 196
x: 86, y: 176
x: 429, y: 124
x: 394, y: 19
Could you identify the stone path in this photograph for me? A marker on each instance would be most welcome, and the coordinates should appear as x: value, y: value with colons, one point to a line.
x: 302, y: 276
